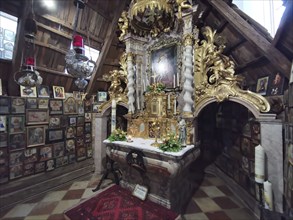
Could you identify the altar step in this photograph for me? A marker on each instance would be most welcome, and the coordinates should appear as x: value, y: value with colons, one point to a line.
x: 28, y: 188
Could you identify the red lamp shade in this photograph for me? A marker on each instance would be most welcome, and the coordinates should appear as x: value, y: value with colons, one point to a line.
x: 30, y: 61
x: 78, y: 41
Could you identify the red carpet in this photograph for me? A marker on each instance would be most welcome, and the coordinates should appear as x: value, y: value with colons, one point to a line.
x: 116, y: 203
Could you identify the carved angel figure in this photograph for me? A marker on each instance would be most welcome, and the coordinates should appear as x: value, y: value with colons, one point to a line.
x: 116, y: 77
x: 123, y: 24
x: 182, y: 4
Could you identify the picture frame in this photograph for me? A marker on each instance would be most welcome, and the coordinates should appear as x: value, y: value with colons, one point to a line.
x: 87, y: 138
x: 80, y: 121
x: 45, y: 153
x: 40, y: 167
x: 163, y: 60
x: 70, y: 132
x: 3, y: 123
x: 15, y: 171
x: 276, y: 84
x: 58, y: 92
x: 16, y: 124
x: 262, y: 85
x: 58, y: 149
x: 87, y: 127
x: 31, y: 103
x: 81, y: 153
x: 55, y: 107
x: 16, y: 157
x: 36, y: 135
x: 79, y: 142
x: 4, y: 105
x: 43, y: 103
x: 3, y: 140
x: 17, y: 141
x: 72, y: 120
x: 43, y: 91
x: 87, y: 106
x: 79, y: 131
x: 70, y: 146
x: 61, y: 161
x: 3, y: 157
x: 31, y: 155
x: 55, y: 121
x: 102, y: 96
x: 71, y: 158
x: 80, y: 107
x: 54, y: 135
x: 17, y: 105
x: 24, y: 93
x: 28, y: 169
x: 70, y: 106
x: 87, y: 117
x: 37, y: 116
x: 89, y: 152
x: 50, y: 165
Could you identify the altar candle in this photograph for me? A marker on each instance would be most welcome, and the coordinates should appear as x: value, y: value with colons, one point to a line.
x: 268, y: 195
x: 113, y: 103
x: 175, y: 110
x: 259, y: 164
x: 169, y: 106
x: 137, y: 101
x: 174, y: 82
x: 113, y: 116
x: 178, y: 77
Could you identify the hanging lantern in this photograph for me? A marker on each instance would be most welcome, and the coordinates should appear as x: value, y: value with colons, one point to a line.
x: 77, y: 64
x: 27, y: 76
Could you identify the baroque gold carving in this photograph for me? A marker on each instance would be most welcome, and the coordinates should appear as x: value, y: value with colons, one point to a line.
x: 188, y: 40
x: 182, y: 4
x: 123, y: 24
x: 214, y: 75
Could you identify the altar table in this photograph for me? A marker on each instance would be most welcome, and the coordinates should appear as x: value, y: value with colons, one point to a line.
x: 164, y: 173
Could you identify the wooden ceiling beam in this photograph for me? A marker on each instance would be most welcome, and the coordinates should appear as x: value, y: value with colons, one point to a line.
x: 281, y: 63
x: 248, y: 64
x: 228, y: 50
x: 105, y: 49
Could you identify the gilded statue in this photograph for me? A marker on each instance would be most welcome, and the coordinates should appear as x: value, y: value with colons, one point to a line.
x: 116, y: 77
x: 123, y: 24
x: 182, y: 4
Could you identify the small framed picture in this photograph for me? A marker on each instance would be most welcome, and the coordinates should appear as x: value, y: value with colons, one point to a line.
x: 31, y: 155
x: 102, y: 96
x: 54, y: 135
x: 16, y: 158
x: 17, y: 105
x: 55, y: 122
x: 16, y: 124
x: 43, y: 91
x: 79, y: 131
x: 16, y: 171
x: 262, y: 85
x: 28, y: 169
x: 37, y: 116
x: 70, y: 132
x: 4, y: 105
x: 79, y: 142
x: 70, y: 146
x: 87, y: 117
x: 43, y: 103
x: 3, y: 157
x: 3, y: 139
x: 58, y: 92
x: 80, y: 121
x: 87, y: 106
x: 40, y: 167
x: 89, y: 152
x: 24, y: 93
x: 71, y: 158
x: 88, y: 138
x: 61, y: 161
x: 70, y: 106
x: 45, y: 153
x: 35, y: 136
x: 55, y: 107
x: 80, y: 107
x: 58, y: 149
x: 17, y: 141
x: 276, y: 84
x: 87, y: 127
x: 50, y: 165
x: 71, y: 120
x: 31, y: 103
x: 81, y: 153
x: 3, y: 123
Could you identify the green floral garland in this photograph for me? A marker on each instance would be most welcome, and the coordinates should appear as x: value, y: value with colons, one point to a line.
x: 171, y: 144
x: 117, y: 135
x: 158, y: 87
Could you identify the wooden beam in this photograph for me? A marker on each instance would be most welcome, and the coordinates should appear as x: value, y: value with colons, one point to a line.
x: 248, y: 64
x: 286, y: 19
x: 54, y: 31
x: 69, y: 26
x: 43, y: 69
x: 109, y: 38
x: 281, y: 63
x: 39, y: 43
x: 233, y: 47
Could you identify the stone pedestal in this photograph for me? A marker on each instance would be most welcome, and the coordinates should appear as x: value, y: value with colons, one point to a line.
x: 271, y: 140
x: 166, y: 174
x: 100, y: 133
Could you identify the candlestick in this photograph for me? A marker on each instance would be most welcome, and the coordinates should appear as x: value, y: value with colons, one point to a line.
x: 178, y: 77
x: 268, y: 195
x: 259, y: 164
x: 175, y: 110
x: 113, y: 116
x: 137, y: 101
x: 174, y: 83
x: 169, y: 106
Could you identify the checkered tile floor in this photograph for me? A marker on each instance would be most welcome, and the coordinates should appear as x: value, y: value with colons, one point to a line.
x: 212, y: 201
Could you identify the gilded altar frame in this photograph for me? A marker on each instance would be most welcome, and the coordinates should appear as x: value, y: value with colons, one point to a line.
x: 166, y: 52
